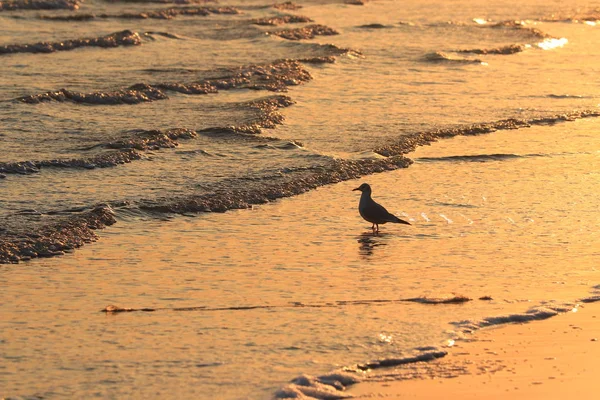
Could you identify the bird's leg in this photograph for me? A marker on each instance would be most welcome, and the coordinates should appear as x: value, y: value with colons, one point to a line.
x: 373, y: 228
x: 377, y: 229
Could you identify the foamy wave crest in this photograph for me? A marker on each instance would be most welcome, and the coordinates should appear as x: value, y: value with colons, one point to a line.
x: 519, y: 26
x: 287, y: 5
x: 281, y: 20
x: 157, y: 14
x: 108, y: 159
x: 53, y: 240
x: 430, y: 354
x: 451, y: 299
x: 408, y: 143
x: 335, y: 384
x: 441, y: 57
x: 264, y: 115
x: 308, y: 32
x: 533, y: 314
x: 273, y: 77
x: 123, y: 38
x: 509, y: 49
x: 129, y: 96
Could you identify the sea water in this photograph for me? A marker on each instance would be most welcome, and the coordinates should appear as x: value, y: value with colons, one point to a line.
x: 211, y: 158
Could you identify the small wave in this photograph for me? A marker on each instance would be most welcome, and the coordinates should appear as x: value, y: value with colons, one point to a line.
x: 266, y: 116
x: 285, y: 145
x: 374, y: 26
x: 128, y: 150
x: 167, y: 35
x: 287, y: 5
x: 281, y: 20
x: 275, y: 77
x: 39, y: 5
x: 334, y: 385
x: 123, y: 38
x: 308, y: 32
x: 474, y: 158
x: 410, y: 142
x: 140, y: 94
x: 394, y: 362
x: 168, y: 13
x: 440, y: 57
x: 520, y: 26
x: 509, y: 49
x: 533, y: 314
x: 318, y: 60
x: 53, y: 240
x: 152, y: 139
x: 453, y: 299
x: 566, y: 96
x: 109, y: 159
x: 591, y: 299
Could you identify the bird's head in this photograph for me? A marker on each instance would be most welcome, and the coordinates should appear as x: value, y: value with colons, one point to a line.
x: 365, y: 188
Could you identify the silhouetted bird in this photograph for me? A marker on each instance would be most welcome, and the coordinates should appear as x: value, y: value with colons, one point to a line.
x: 373, y: 212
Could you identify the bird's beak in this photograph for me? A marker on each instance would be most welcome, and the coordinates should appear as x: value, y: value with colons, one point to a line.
x: 355, y: 189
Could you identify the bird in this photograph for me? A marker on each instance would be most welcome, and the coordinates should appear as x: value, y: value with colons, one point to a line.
x: 372, y: 211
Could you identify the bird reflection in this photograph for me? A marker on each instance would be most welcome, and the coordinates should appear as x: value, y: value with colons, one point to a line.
x: 368, y: 242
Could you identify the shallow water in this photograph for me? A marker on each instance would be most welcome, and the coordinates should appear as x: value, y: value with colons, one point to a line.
x: 246, y: 300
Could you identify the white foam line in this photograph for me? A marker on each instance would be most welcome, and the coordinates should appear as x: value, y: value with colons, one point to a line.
x: 533, y: 314
x: 448, y: 220
x: 425, y: 217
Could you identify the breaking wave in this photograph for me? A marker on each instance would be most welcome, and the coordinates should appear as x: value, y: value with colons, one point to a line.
x: 12, y: 5
x: 157, y: 14
x: 509, y: 49
x: 410, y: 142
x: 274, y: 77
x: 123, y: 38
x: 130, y: 147
x: 439, y: 57
x: 308, y: 32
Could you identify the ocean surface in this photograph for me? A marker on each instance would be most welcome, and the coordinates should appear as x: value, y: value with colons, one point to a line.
x: 177, y: 217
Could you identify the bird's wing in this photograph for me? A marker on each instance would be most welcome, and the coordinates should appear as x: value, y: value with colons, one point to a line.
x: 378, y: 212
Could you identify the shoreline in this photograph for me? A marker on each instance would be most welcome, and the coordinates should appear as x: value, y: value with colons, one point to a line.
x: 549, y: 359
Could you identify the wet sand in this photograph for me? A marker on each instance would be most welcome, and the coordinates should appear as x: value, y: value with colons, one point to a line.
x: 551, y: 359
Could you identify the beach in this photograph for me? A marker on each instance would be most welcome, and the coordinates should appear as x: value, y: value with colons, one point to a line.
x: 179, y: 215
x: 550, y: 359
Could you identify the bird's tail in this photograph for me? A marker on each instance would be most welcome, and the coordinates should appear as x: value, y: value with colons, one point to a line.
x: 401, y: 221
